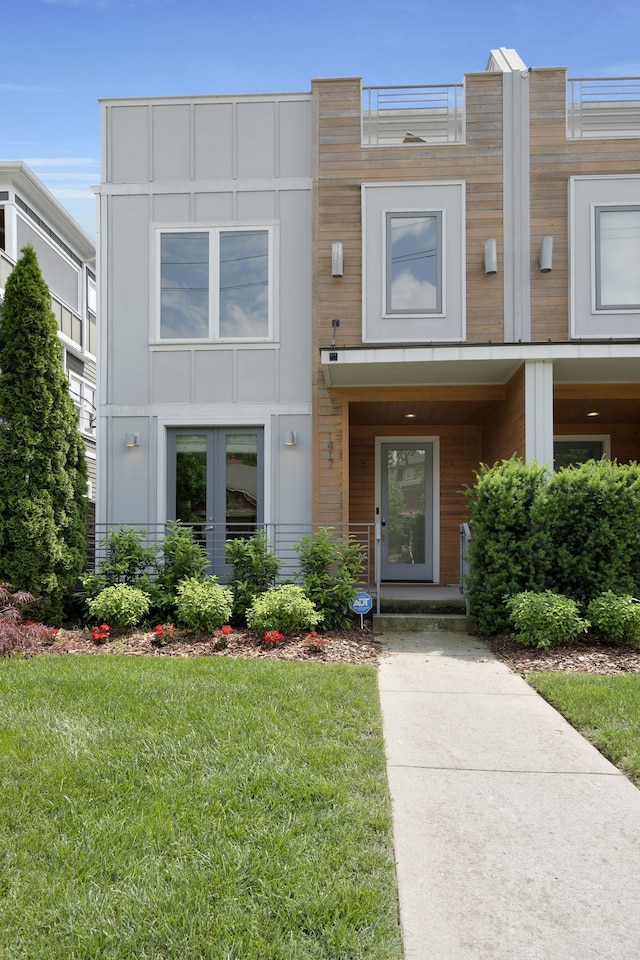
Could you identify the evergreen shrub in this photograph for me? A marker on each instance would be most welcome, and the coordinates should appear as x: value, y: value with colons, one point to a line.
x: 544, y: 619
x: 329, y: 568
x: 203, y: 605
x: 616, y: 617
x: 509, y: 549
x: 120, y: 605
x: 285, y: 608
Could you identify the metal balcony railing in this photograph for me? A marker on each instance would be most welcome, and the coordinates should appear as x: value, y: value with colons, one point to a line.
x: 423, y: 114
x: 603, y: 107
x: 282, y: 538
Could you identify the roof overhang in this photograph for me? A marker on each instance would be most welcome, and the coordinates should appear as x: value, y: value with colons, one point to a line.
x: 386, y: 366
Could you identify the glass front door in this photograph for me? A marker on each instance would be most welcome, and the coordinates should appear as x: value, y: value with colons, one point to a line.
x: 215, y: 483
x: 406, y: 511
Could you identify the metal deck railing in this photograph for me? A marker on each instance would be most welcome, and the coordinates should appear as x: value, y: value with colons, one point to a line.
x: 282, y: 538
x: 422, y: 114
x: 603, y: 107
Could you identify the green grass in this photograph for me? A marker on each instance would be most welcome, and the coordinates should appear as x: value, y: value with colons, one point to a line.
x: 604, y: 708
x: 165, y: 809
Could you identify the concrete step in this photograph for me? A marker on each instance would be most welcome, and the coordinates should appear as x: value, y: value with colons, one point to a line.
x: 422, y: 622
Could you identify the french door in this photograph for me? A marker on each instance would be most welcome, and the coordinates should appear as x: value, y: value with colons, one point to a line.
x: 406, y: 510
x: 215, y: 482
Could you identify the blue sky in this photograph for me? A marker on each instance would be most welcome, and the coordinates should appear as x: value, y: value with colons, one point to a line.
x: 60, y: 56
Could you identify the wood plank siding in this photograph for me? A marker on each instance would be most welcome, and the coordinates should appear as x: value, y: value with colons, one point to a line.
x: 482, y: 418
x: 553, y: 160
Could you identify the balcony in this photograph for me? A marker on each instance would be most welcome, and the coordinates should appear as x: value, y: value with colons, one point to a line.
x: 597, y: 108
x: 603, y: 107
x: 424, y: 114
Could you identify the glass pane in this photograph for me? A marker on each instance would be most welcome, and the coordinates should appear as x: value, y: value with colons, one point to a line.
x: 406, y: 473
x: 241, y: 484
x: 244, y: 284
x: 569, y: 452
x: 412, y: 264
x: 91, y: 335
x: 184, y: 283
x: 67, y: 323
x: 57, y: 312
x: 191, y: 478
x: 619, y: 280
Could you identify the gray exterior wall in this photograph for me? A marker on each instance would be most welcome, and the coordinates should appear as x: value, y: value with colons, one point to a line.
x: 180, y: 164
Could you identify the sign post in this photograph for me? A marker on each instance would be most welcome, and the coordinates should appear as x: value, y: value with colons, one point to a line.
x: 361, y: 604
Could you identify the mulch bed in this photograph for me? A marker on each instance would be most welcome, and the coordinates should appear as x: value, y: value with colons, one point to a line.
x: 340, y: 646
x: 591, y: 654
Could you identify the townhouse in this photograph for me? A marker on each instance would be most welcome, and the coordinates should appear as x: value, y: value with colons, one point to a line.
x: 331, y: 307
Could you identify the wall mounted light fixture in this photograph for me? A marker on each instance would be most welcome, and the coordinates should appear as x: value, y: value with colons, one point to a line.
x: 132, y: 439
x: 490, y: 257
x: 337, y: 259
x: 545, y: 260
x: 291, y: 439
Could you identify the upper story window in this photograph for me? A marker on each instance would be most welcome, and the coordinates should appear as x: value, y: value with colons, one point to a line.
x: 414, y: 263
x: 617, y: 248
x: 604, y: 247
x: 69, y: 323
x: 215, y: 284
x: 83, y: 396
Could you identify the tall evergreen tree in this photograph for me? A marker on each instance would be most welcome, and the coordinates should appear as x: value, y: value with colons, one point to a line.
x: 43, y: 474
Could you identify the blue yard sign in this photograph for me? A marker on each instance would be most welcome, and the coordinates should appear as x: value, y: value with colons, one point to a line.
x: 361, y: 604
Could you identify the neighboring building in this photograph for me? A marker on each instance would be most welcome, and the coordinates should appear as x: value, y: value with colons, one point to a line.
x: 455, y: 267
x: 30, y: 214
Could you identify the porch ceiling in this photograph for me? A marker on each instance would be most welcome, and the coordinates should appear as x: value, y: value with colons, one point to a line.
x: 414, y: 413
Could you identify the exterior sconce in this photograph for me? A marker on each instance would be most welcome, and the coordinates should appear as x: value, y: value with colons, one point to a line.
x: 291, y: 439
x: 490, y: 257
x: 545, y: 261
x: 132, y: 439
x: 337, y: 259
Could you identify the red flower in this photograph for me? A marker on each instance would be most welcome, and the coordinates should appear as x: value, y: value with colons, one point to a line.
x: 272, y: 637
x: 158, y: 630
x: 312, y: 634
x: 226, y: 630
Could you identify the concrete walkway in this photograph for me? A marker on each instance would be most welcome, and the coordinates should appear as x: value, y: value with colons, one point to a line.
x: 514, y: 838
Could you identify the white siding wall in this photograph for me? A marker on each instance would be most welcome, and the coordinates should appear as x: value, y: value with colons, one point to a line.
x: 202, y: 162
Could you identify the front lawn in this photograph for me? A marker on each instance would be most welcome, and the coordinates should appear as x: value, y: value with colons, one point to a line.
x: 604, y: 708
x: 219, y: 809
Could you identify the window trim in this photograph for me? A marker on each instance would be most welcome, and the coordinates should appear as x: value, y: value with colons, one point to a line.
x: 214, y: 231
x: 85, y: 415
x: 440, y: 309
x: 596, y: 305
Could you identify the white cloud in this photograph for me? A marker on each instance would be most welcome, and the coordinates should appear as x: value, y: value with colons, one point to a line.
x: 411, y: 294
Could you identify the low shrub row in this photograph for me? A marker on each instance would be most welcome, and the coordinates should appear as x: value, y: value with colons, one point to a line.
x: 134, y: 583
x: 548, y: 619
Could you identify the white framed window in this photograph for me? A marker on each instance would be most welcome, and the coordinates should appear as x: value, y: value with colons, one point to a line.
x: 616, y: 233
x: 413, y: 263
x: 604, y: 252
x: 575, y: 449
x: 83, y: 396
x: 215, y: 283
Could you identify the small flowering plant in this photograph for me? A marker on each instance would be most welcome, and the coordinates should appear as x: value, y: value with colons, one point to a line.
x: 164, y: 633
x: 100, y: 634
x: 220, y: 642
x: 272, y: 638
x: 316, y: 644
